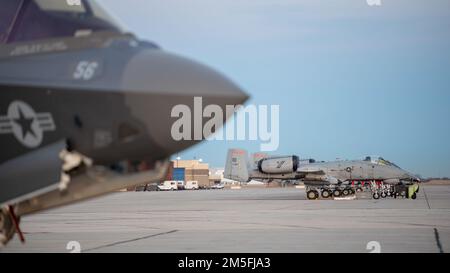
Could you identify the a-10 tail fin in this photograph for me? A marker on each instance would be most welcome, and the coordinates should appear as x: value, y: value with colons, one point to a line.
x: 236, y: 167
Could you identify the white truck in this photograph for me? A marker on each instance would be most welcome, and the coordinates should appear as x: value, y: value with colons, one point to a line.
x: 180, y: 184
x: 191, y: 185
x: 218, y: 186
x: 168, y: 186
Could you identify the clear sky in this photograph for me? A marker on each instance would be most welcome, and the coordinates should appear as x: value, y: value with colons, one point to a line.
x: 351, y: 80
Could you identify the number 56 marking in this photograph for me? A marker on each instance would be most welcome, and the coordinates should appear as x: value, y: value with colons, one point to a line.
x: 85, y: 70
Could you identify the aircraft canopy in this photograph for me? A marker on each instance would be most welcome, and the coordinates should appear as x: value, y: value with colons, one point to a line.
x: 28, y: 20
x: 380, y: 161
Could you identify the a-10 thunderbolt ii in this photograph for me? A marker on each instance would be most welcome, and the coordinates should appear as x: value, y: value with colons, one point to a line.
x: 77, y: 96
x: 327, y: 179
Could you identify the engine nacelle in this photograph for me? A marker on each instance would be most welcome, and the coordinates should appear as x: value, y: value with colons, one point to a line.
x: 278, y: 165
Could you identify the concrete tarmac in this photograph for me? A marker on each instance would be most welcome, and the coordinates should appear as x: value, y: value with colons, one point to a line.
x: 246, y: 220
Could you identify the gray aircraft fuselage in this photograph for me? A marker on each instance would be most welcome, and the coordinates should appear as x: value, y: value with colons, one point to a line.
x: 343, y: 171
x: 333, y: 172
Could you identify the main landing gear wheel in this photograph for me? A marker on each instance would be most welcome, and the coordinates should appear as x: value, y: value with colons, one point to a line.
x: 345, y: 192
x: 376, y: 196
x: 326, y: 194
x: 336, y: 193
x: 312, y: 195
x: 383, y: 195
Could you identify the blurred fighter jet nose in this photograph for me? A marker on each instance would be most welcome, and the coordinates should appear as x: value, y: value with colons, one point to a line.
x: 157, y: 82
x: 156, y: 71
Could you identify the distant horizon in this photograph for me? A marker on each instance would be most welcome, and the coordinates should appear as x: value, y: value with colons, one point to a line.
x: 350, y: 79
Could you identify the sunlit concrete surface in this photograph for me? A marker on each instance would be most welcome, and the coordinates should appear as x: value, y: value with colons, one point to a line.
x: 246, y: 220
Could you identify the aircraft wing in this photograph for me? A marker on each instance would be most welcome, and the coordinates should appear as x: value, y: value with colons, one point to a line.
x: 310, y: 169
x: 318, y: 172
x: 94, y: 182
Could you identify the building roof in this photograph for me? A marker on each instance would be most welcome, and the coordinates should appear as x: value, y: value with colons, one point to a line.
x: 190, y: 164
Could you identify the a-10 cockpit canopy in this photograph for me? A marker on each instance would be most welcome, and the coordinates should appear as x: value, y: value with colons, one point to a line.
x: 379, y: 161
x: 28, y: 20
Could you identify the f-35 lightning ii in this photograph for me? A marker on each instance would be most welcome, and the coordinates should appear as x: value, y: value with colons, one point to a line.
x: 78, y: 95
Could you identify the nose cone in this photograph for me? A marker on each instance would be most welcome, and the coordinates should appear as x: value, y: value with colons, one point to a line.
x: 415, y: 178
x: 157, y: 81
x: 159, y: 72
x: 409, y: 176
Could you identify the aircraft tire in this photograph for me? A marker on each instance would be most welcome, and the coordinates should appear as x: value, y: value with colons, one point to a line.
x: 336, y: 193
x: 312, y: 195
x: 376, y: 196
x: 383, y: 195
x: 326, y: 194
x: 345, y: 192
x: 414, y: 196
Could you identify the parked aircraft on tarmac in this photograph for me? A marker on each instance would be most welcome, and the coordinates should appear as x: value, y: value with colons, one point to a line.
x: 327, y: 179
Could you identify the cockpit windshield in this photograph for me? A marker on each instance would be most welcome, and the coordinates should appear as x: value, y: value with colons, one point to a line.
x: 380, y: 161
x: 27, y: 20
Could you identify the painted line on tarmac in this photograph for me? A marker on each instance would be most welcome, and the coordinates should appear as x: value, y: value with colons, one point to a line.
x: 131, y: 240
x: 438, y: 240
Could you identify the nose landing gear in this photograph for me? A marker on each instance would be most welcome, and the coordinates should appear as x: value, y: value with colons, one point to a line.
x: 379, y: 189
